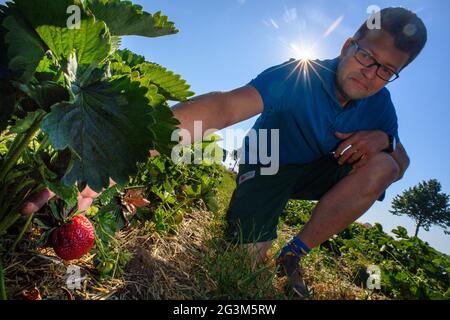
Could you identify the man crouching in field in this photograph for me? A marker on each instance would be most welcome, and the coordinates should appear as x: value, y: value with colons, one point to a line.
x: 338, y: 138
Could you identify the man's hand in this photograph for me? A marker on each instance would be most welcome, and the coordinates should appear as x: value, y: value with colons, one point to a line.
x: 85, y: 197
x: 153, y: 153
x: 360, y: 146
x: 39, y: 199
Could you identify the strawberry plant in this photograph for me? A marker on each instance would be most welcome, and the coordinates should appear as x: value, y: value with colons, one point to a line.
x: 173, y: 188
x: 162, y: 192
x: 76, y: 110
x: 410, y: 268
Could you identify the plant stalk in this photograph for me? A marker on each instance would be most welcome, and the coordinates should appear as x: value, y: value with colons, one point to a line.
x: 17, y: 151
x: 8, y: 221
x: 22, y: 232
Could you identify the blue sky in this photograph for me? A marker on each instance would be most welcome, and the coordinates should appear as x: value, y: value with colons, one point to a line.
x: 222, y: 45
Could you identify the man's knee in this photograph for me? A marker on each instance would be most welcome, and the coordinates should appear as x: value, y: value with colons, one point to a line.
x: 380, y: 172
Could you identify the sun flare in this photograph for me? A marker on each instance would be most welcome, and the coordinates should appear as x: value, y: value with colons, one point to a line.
x: 303, y: 53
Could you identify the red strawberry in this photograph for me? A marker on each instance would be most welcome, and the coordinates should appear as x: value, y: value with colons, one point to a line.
x: 74, y: 239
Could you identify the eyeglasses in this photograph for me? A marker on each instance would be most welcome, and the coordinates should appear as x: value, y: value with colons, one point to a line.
x: 367, y: 60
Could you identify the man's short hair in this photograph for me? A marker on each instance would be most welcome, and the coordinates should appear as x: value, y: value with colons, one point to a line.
x: 408, y: 30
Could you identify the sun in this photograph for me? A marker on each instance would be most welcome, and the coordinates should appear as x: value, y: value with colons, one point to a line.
x: 304, y: 53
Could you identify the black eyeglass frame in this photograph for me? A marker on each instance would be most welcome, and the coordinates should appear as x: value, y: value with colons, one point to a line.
x: 375, y: 63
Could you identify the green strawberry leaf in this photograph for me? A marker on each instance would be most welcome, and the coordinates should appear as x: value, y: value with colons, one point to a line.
x: 162, y: 129
x: 91, y: 43
x: 211, y: 202
x: 49, y: 69
x: 164, y: 122
x: 67, y: 194
x: 45, y: 94
x: 169, y: 84
x: 129, y: 58
x: 107, y: 196
x: 106, y: 128
x: 22, y: 125
x: 108, y: 221
x: 25, y: 49
x: 46, y: 12
x: 124, y: 18
x: 124, y: 60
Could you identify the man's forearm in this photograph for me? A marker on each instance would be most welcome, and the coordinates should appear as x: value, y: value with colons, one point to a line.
x: 205, y: 109
x: 400, y: 156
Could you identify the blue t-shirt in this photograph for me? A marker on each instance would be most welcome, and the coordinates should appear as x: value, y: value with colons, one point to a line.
x: 300, y: 100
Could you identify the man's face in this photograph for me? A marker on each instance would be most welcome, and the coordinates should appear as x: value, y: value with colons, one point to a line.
x: 353, y: 80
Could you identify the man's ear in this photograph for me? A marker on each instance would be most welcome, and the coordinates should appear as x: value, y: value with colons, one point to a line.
x: 346, y: 47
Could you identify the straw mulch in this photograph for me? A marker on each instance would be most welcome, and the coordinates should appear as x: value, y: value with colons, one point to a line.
x: 161, y: 267
x: 169, y: 267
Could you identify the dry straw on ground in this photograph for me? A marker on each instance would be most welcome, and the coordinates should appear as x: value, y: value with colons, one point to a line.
x: 170, y: 267
x: 161, y: 267
x: 167, y: 267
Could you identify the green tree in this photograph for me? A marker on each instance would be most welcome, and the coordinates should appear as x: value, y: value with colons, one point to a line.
x: 426, y: 204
